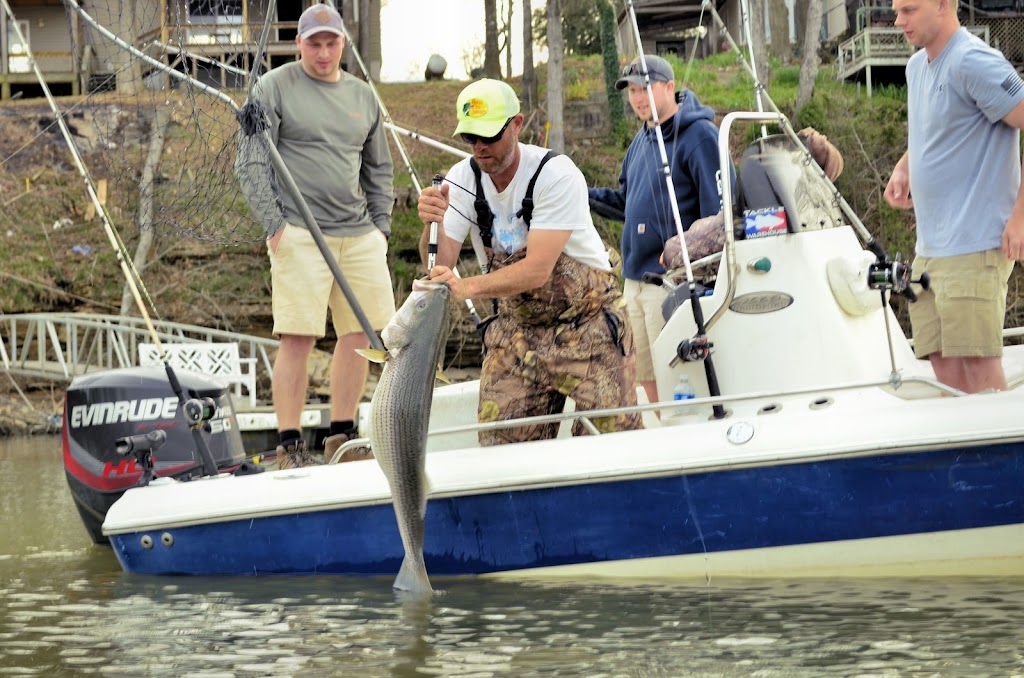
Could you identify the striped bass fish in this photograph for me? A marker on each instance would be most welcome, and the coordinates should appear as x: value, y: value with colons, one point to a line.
x: 415, y: 338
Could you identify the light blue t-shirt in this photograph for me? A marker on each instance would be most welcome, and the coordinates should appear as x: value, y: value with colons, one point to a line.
x: 964, y: 161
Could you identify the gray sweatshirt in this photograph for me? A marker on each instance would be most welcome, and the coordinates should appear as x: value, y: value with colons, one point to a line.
x: 332, y: 140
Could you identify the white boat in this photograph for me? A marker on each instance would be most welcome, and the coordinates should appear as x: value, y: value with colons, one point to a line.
x: 828, y: 449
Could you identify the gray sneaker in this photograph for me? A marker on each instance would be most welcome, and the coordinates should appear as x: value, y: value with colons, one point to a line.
x: 332, y: 443
x: 293, y: 455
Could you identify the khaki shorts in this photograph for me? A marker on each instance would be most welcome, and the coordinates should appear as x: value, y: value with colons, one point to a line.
x: 304, y: 287
x: 643, y: 304
x: 962, y: 314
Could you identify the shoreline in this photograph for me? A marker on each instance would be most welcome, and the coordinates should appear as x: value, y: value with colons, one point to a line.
x: 21, y: 418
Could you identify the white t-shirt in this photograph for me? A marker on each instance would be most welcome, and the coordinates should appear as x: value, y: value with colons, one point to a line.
x: 560, y: 203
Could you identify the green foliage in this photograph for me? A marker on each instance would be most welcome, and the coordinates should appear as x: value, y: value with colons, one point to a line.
x: 578, y: 90
x: 721, y: 59
x: 581, y: 27
x: 786, y: 76
x: 610, y: 61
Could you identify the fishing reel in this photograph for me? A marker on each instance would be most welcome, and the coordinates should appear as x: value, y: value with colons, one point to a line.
x: 694, y: 349
x: 895, y: 275
x: 198, y: 410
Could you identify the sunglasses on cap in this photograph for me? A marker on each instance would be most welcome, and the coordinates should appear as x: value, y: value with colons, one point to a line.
x: 636, y: 69
x: 472, y: 139
x: 632, y: 69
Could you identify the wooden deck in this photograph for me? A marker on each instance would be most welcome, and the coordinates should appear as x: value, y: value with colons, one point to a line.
x: 879, y: 51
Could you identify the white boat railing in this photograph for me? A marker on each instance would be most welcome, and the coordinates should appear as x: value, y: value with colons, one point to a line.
x: 822, y: 399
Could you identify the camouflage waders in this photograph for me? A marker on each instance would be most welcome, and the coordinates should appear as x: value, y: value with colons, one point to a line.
x: 570, y: 337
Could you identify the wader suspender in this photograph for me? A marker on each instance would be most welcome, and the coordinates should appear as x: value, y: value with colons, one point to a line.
x: 484, y: 218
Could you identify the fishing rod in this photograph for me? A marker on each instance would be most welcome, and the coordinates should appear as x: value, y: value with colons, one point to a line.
x: 127, y: 268
x: 432, y: 242
x: 416, y: 136
x: 185, y: 54
x: 380, y: 103
x: 698, y: 347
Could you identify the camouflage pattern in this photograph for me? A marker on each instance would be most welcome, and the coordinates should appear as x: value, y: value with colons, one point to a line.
x: 570, y: 337
x: 704, y: 237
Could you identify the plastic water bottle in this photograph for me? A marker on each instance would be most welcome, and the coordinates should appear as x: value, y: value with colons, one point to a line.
x: 683, y: 390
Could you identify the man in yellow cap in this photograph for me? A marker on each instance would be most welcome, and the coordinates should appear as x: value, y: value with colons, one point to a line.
x: 559, y: 330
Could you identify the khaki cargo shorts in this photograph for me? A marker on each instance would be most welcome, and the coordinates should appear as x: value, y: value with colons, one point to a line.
x: 643, y: 305
x: 304, y: 287
x: 962, y: 314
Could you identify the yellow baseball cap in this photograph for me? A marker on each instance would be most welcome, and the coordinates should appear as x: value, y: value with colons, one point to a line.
x: 484, y: 106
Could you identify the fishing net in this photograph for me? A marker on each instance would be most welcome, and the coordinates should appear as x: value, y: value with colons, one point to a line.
x: 165, y: 119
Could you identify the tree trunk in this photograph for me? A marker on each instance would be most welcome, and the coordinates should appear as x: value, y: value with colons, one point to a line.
x: 128, y: 76
x: 529, y: 76
x: 492, y: 60
x: 778, y: 16
x: 556, y: 131
x: 757, y: 33
x: 809, y: 65
x: 362, y: 38
x: 507, y: 30
x: 146, y: 187
x: 371, y: 53
x: 800, y: 20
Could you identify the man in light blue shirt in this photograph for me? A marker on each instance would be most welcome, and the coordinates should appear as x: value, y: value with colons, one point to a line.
x: 962, y: 176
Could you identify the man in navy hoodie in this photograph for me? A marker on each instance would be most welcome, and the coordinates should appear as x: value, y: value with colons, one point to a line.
x: 691, y: 145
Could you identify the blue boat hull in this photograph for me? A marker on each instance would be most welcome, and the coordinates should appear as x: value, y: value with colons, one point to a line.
x: 762, y: 507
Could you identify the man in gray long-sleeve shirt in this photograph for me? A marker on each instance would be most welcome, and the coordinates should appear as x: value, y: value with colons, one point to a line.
x: 328, y: 129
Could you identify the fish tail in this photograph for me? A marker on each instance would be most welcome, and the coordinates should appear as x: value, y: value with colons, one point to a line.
x: 412, y: 577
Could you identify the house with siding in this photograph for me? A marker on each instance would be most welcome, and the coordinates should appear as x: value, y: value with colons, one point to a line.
x: 199, y: 37
x: 666, y: 25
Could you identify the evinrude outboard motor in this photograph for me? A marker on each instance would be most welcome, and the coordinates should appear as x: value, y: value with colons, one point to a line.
x: 102, y: 408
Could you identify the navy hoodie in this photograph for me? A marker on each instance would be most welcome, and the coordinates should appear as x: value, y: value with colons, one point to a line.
x: 691, y: 144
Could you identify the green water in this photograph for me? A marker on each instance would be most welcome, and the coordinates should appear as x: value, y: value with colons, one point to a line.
x: 66, y: 609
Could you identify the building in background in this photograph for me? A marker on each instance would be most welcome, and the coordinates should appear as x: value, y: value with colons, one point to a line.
x: 215, y: 41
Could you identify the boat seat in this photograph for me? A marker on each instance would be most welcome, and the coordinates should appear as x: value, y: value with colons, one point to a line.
x: 213, y: 359
x: 779, y: 192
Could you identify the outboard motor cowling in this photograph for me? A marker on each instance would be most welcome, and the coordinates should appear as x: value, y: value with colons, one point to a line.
x: 101, y: 408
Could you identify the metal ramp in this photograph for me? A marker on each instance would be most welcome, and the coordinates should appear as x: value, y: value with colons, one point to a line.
x: 61, y: 346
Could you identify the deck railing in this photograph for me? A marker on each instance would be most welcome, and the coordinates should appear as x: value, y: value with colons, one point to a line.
x: 881, y: 46
x: 60, y: 346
